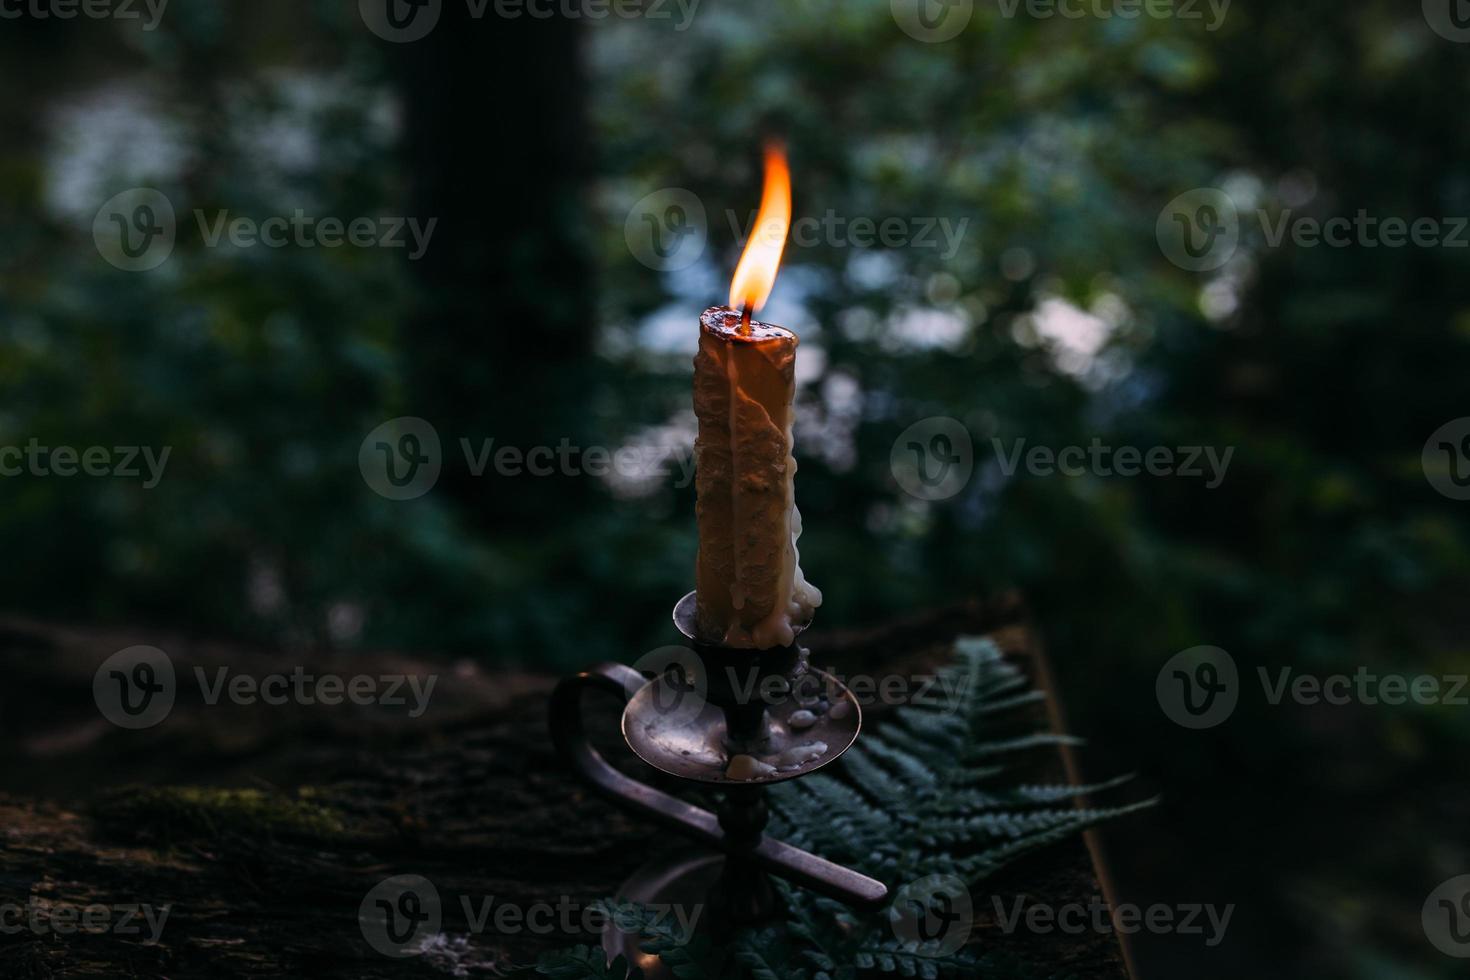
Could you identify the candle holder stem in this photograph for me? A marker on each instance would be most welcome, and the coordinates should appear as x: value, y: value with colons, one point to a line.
x: 744, y: 893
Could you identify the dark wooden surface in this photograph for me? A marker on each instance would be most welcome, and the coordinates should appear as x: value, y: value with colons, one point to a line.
x: 468, y: 795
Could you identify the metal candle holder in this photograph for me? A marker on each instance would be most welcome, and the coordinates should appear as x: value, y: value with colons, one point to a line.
x: 690, y: 732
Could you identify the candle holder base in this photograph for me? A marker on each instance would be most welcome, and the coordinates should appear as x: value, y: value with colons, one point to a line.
x: 680, y: 882
x: 734, y: 721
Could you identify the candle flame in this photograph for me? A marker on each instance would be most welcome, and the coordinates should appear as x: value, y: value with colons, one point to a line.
x: 756, y: 273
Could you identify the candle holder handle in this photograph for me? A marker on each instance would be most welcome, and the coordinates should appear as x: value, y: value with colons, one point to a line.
x: 744, y: 811
x: 570, y: 738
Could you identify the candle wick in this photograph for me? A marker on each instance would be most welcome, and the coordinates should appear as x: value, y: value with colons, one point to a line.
x: 745, y: 319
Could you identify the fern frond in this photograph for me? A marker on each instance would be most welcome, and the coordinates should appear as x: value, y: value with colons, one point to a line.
x: 910, y: 771
x: 1023, y: 743
x: 974, y: 868
x: 973, y: 800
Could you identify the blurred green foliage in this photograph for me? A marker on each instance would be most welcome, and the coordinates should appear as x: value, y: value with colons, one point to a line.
x: 1057, y: 320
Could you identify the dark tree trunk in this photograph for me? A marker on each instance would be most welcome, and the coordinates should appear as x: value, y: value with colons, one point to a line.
x: 497, y: 149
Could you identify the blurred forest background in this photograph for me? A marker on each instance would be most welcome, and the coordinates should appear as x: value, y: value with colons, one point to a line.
x: 1057, y: 319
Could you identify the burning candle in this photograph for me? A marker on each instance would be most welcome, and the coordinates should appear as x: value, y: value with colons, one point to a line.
x: 749, y: 588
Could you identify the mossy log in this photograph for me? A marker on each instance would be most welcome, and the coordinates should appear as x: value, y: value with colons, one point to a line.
x: 261, y: 829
